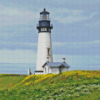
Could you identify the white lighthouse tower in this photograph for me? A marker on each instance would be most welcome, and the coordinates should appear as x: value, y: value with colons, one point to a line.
x: 44, y: 53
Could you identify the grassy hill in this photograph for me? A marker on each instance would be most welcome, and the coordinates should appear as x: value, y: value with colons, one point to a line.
x: 72, y: 85
x: 9, y: 80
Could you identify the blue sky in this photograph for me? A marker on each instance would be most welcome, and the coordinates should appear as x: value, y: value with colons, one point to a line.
x: 75, y: 34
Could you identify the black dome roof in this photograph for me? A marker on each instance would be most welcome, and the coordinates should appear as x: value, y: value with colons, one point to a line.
x: 44, y: 11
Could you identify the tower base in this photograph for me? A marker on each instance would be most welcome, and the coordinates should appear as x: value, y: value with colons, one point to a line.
x: 38, y: 72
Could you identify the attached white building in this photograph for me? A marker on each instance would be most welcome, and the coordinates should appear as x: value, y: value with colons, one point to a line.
x: 55, y: 67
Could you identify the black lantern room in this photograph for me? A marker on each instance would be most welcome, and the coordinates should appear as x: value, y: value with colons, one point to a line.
x: 44, y: 22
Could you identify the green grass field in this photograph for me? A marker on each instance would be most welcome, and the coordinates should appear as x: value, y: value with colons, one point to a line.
x: 7, y: 81
x: 72, y: 85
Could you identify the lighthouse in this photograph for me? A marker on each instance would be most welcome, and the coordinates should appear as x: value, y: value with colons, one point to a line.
x: 44, y: 53
x: 45, y: 62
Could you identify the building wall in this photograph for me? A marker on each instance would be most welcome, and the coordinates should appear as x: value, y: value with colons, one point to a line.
x: 39, y: 73
x: 46, y: 69
x: 54, y: 70
x: 57, y: 70
x: 44, y: 42
x: 64, y: 69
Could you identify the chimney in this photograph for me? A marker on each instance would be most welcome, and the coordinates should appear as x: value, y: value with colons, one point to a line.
x: 29, y: 71
x: 64, y: 60
x: 47, y: 59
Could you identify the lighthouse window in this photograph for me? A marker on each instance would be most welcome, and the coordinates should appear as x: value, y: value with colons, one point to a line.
x: 49, y: 29
x: 41, y: 29
x: 45, y: 29
x: 45, y: 17
x: 41, y: 16
x: 48, y: 51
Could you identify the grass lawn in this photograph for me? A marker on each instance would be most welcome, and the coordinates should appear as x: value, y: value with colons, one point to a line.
x: 7, y: 81
x: 95, y: 95
x: 72, y: 85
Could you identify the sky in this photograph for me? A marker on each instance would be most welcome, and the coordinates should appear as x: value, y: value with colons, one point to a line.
x: 75, y: 34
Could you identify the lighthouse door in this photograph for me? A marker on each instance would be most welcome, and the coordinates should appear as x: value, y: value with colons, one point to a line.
x: 60, y: 69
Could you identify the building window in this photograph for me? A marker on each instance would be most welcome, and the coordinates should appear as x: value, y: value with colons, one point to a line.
x: 45, y: 70
x: 48, y: 70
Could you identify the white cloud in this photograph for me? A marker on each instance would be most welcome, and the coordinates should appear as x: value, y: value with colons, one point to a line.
x: 18, y: 43
x: 93, y: 24
x: 76, y: 2
x: 96, y: 41
x: 85, y: 2
x: 59, y: 43
x: 89, y: 42
x: 71, y: 16
x: 15, y: 16
x: 70, y: 12
x: 17, y: 56
x: 75, y: 43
